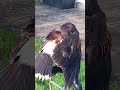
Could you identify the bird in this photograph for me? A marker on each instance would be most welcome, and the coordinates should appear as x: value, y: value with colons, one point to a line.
x: 62, y: 47
x: 98, y: 48
x: 20, y: 73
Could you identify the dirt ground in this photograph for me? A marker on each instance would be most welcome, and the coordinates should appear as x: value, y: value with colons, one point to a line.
x: 47, y: 18
x: 16, y: 14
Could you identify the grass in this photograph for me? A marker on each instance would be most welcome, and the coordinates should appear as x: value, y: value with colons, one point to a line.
x: 38, y: 43
x: 114, y: 86
x: 7, y: 40
x: 37, y: 2
x: 58, y: 78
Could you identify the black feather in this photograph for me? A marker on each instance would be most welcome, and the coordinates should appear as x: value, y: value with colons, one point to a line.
x: 17, y: 76
x: 43, y: 64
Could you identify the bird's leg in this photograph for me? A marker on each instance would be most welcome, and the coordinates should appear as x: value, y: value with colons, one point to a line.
x: 50, y: 84
x: 65, y: 87
x: 77, y: 84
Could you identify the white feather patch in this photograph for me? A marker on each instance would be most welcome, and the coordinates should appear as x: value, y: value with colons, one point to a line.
x: 43, y: 77
x: 49, y: 47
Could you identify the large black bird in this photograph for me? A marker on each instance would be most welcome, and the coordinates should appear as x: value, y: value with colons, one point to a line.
x: 19, y: 75
x: 98, y: 47
x: 62, y: 47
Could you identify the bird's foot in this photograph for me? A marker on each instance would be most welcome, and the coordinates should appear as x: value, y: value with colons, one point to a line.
x: 65, y: 88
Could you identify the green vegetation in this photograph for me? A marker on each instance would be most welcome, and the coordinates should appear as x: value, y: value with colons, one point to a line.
x: 38, y: 1
x: 59, y: 79
x: 38, y: 43
x: 114, y: 86
x: 7, y: 40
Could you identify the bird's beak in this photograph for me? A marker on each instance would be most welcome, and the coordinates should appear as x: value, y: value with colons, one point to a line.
x: 61, y: 40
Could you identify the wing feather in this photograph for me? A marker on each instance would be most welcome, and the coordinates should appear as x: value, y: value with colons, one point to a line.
x: 43, y: 65
x: 69, y: 64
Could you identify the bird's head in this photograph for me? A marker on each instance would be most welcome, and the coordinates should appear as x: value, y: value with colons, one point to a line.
x: 67, y: 29
x: 55, y: 36
x: 52, y: 40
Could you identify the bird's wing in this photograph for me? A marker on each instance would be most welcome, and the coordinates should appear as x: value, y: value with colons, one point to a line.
x: 43, y: 62
x: 12, y: 76
x: 17, y: 76
x: 67, y: 60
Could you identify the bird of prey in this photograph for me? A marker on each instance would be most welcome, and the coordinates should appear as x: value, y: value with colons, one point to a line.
x: 63, y: 48
x: 98, y: 48
x: 19, y: 74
